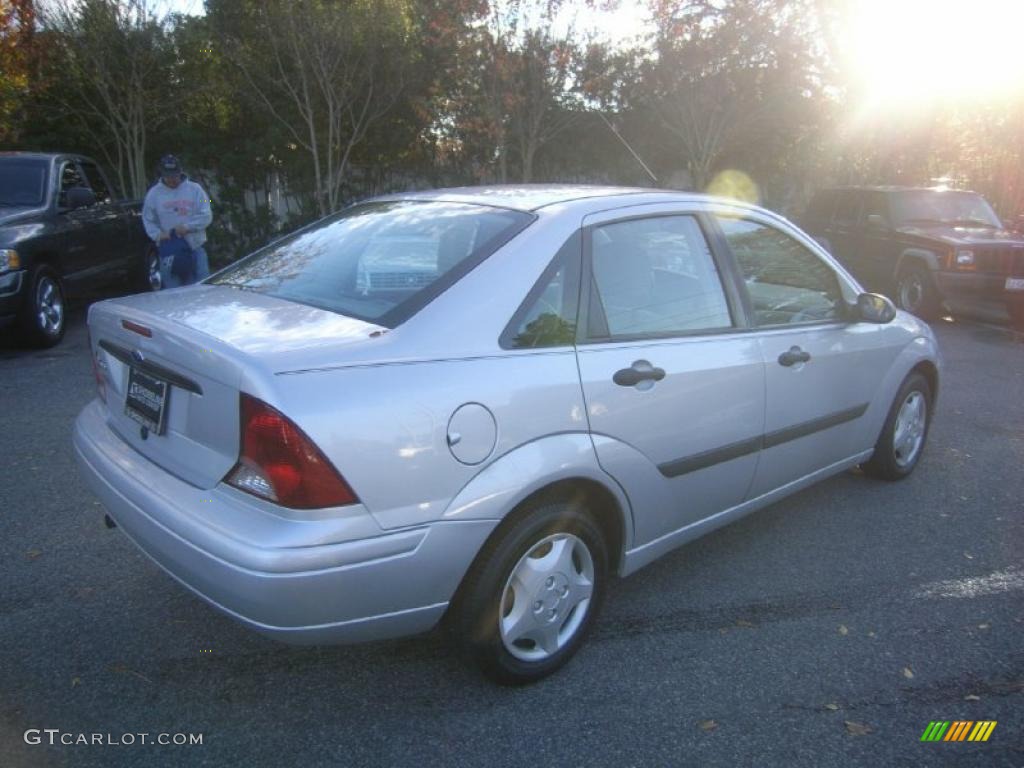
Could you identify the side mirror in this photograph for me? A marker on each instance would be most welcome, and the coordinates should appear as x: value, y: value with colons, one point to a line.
x: 876, y: 222
x: 79, y: 197
x: 875, y: 308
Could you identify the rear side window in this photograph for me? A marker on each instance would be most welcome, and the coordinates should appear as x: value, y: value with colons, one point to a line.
x: 786, y: 282
x: 380, y: 262
x: 548, y: 316
x: 821, y: 207
x: 847, y: 208
x: 22, y: 181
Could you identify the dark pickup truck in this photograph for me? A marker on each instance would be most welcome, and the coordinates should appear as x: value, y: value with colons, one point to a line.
x: 62, y: 234
x: 925, y: 247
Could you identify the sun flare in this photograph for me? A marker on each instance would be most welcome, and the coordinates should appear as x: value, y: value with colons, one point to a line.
x: 904, y: 52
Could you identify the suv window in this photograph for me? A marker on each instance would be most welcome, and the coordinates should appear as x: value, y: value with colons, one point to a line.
x: 656, y: 277
x: 821, y: 207
x: 787, y: 283
x: 95, y: 179
x: 847, y: 207
x: 876, y: 204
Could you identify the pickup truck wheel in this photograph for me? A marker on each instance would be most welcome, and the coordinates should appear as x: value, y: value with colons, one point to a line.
x: 915, y: 292
x: 902, y: 440
x: 533, y: 593
x: 42, y: 318
x: 148, y: 278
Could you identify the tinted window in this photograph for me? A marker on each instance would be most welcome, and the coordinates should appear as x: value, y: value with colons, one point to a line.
x: 820, y: 209
x: 69, y: 177
x: 786, y: 282
x: 548, y: 317
x: 22, y: 182
x: 378, y: 261
x: 656, y: 276
x: 943, y: 207
x: 95, y: 179
x: 847, y: 207
x: 876, y: 204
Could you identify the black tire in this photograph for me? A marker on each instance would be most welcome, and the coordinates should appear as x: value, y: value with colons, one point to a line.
x: 889, y: 461
x: 916, y: 292
x: 482, y: 599
x: 43, y: 315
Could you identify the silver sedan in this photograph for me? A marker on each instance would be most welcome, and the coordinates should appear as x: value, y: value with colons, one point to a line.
x: 478, y: 404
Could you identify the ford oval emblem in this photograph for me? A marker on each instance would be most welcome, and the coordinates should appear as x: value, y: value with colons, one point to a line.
x: 137, y: 356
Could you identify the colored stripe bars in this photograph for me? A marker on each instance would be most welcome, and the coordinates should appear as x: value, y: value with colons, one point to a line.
x: 958, y: 730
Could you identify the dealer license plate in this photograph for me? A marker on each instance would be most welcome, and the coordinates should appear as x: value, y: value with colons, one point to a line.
x: 146, y: 402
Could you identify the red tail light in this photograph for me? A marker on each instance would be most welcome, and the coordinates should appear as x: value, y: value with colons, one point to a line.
x: 278, y: 462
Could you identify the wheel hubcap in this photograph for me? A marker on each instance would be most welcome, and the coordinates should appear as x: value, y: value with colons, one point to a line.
x: 909, y: 433
x: 911, y: 292
x: 546, y: 598
x: 50, y: 305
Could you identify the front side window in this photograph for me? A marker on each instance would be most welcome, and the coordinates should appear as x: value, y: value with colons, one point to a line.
x: 95, y: 179
x: 378, y: 261
x: 69, y: 177
x: 787, y: 283
x: 655, y: 277
x: 847, y: 208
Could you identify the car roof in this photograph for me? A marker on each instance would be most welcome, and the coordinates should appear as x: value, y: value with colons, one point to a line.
x: 892, y: 188
x: 532, y: 197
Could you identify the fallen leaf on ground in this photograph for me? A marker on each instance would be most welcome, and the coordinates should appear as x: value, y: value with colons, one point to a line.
x: 843, y: 630
x: 124, y: 669
x: 907, y: 673
x: 744, y: 623
x: 984, y: 626
x: 76, y: 681
x: 871, y: 634
x: 972, y: 697
x: 832, y: 707
x: 968, y: 556
x: 857, y: 729
x: 32, y: 554
x: 707, y: 725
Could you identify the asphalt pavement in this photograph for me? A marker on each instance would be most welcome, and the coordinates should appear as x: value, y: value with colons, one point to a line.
x: 827, y: 630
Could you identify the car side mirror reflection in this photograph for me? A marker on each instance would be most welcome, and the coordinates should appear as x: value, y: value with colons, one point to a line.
x: 875, y: 308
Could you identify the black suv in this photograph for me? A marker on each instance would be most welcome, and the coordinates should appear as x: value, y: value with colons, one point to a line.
x: 922, y: 246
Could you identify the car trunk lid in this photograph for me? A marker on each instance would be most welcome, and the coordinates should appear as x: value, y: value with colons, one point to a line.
x: 207, y: 343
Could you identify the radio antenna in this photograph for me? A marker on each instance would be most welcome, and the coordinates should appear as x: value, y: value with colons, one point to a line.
x: 626, y: 145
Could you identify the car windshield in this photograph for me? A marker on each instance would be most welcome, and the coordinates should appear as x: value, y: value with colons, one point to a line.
x: 22, y: 182
x: 943, y: 207
x: 379, y: 262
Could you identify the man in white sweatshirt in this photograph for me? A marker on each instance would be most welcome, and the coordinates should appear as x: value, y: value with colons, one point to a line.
x: 177, y: 204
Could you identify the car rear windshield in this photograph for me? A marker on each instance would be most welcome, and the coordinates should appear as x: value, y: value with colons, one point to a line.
x: 22, y: 181
x: 381, y: 261
x: 943, y: 207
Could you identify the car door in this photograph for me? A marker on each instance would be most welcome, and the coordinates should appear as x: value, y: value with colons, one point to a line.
x: 112, y: 225
x: 821, y: 368
x: 844, y: 233
x: 82, y: 238
x: 877, y: 247
x: 674, y: 386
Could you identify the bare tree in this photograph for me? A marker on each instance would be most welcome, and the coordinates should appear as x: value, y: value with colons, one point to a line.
x: 325, y: 72
x: 116, y: 80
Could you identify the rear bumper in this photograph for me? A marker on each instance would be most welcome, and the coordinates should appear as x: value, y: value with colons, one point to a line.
x: 339, y: 579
